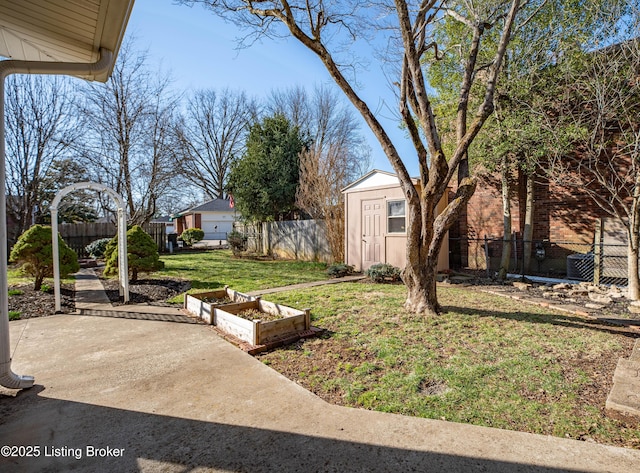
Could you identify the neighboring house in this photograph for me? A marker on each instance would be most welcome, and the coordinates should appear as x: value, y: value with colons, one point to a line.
x: 375, y: 222
x: 215, y: 218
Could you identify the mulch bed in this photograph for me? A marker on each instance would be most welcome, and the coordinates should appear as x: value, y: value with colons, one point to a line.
x: 31, y: 303
x: 147, y: 291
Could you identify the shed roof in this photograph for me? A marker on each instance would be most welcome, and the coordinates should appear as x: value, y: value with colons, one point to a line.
x: 374, y: 178
x: 65, y: 31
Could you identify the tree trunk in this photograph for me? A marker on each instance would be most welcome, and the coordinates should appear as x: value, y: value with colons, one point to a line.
x: 425, y: 233
x: 632, y: 273
x: 527, y: 235
x: 506, y: 216
x: 37, y: 284
x: 420, y: 279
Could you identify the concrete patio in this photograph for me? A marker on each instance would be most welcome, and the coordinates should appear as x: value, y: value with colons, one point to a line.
x: 142, y: 394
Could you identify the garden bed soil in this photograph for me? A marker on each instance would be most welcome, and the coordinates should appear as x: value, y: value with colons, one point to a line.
x: 31, y: 303
x: 217, y: 300
x: 255, y: 314
x: 152, y: 291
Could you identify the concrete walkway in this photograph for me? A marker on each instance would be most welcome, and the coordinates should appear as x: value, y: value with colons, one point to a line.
x: 131, y: 395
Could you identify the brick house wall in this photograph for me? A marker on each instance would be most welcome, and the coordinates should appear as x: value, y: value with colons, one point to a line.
x: 562, y: 216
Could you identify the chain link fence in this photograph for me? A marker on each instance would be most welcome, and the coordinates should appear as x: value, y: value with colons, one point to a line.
x: 598, y: 263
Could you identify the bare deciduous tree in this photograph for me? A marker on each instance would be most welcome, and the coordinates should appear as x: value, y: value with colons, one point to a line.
x: 407, y: 26
x: 40, y: 128
x: 602, y: 97
x: 130, y: 144
x: 213, y: 135
x: 337, y: 155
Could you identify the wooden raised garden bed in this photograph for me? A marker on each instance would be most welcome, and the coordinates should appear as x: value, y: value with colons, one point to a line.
x: 243, y: 321
x: 203, y: 305
x: 247, y: 318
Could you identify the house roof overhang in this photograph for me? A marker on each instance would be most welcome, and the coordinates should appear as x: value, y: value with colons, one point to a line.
x: 72, y: 37
x: 63, y: 31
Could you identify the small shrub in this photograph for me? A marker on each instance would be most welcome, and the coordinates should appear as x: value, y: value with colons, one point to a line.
x: 142, y: 254
x: 14, y: 315
x: 96, y: 248
x: 382, y: 272
x: 339, y: 270
x: 15, y: 292
x: 45, y: 288
x: 191, y: 236
x: 34, y: 253
x: 237, y: 241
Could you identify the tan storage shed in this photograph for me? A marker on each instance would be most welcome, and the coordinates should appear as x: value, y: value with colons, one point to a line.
x: 375, y: 222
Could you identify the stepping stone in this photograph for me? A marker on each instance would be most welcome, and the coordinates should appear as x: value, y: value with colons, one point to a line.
x: 624, y: 399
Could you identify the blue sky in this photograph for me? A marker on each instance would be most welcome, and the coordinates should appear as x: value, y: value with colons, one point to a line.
x: 201, y: 51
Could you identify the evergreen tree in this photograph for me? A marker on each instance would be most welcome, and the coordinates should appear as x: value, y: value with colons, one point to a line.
x: 142, y: 254
x: 264, y: 181
x: 34, y: 253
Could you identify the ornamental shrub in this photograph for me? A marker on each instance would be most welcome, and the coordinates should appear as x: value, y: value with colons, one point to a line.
x: 191, y: 236
x: 142, y: 254
x: 96, y: 248
x: 339, y: 270
x: 34, y: 253
x: 382, y: 272
x: 237, y: 241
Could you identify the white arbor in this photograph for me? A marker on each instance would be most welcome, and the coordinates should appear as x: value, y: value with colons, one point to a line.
x: 123, y: 263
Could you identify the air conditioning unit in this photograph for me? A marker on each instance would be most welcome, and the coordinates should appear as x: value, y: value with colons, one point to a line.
x: 580, y: 267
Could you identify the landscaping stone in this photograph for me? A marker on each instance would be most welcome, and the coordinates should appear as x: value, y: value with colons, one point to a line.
x: 593, y: 305
x: 623, y: 401
x: 600, y: 298
x: 578, y: 292
x: 523, y: 286
x: 597, y: 289
x: 634, y: 309
x: 561, y: 287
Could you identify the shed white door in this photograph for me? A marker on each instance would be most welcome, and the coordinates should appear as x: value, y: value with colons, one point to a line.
x: 372, y: 235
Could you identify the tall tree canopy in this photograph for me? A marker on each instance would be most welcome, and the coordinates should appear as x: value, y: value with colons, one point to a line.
x: 79, y: 206
x: 264, y: 181
x: 337, y: 154
x: 40, y: 128
x: 601, y: 97
x: 516, y: 137
x: 130, y: 144
x: 404, y: 31
x: 213, y: 135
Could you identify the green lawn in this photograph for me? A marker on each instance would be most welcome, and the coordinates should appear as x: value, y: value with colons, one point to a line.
x: 15, y: 276
x: 215, y: 269
x: 487, y: 361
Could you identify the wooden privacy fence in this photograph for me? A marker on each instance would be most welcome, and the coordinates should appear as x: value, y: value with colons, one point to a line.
x: 296, y: 239
x: 79, y: 235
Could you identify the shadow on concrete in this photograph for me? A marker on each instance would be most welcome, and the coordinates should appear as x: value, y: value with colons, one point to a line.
x: 135, y: 313
x: 154, y: 442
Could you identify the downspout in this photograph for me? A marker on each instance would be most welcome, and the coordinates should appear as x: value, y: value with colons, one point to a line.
x: 8, y: 378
